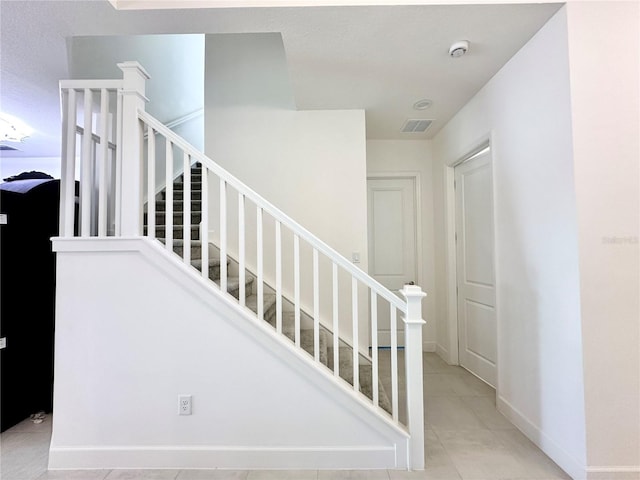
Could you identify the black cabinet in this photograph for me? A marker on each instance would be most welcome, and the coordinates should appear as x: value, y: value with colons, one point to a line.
x: 27, y: 297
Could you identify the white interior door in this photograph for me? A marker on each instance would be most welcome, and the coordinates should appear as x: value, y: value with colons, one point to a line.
x: 477, y: 330
x: 392, y: 242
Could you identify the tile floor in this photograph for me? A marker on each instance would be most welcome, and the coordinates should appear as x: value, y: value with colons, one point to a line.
x: 466, y: 438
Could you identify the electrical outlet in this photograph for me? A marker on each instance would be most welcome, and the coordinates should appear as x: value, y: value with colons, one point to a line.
x: 355, y: 257
x: 184, y: 404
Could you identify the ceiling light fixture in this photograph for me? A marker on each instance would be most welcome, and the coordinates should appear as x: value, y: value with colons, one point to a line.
x: 13, y: 129
x: 422, y: 104
x: 458, y: 49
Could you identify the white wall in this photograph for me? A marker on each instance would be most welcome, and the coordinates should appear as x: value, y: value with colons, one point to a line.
x: 604, y: 48
x: 175, y: 88
x: 247, y: 69
x: 526, y: 110
x: 128, y: 345
x: 414, y: 156
x: 310, y: 164
x: 10, y: 166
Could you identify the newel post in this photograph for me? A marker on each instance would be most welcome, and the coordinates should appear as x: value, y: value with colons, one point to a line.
x: 413, y: 364
x: 131, y: 145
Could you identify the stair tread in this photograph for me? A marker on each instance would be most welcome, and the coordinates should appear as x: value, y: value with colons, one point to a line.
x: 234, y: 282
x: 193, y: 227
x: 178, y: 207
x: 179, y: 242
x: 364, y: 375
x: 268, y: 300
x: 179, y: 212
x: 213, y: 262
x: 193, y: 186
x: 306, y: 335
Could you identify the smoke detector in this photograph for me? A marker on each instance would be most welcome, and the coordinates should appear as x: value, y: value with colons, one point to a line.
x: 458, y: 49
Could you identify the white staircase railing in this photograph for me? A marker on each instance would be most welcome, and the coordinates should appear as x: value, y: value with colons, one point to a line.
x: 119, y: 169
x: 90, y: 121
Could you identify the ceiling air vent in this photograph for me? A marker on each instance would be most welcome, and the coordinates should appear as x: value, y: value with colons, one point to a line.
x: 7, y: 147
x: 416, y: 125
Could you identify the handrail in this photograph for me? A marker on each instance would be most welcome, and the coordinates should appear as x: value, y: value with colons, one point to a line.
x: 91, y: 84
x: 276, y: 213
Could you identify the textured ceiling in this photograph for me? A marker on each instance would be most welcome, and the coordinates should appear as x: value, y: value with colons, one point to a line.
x: 377, y: 58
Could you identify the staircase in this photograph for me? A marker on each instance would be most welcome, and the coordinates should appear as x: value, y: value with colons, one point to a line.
x: 329, y: 381
x: 326, y: 349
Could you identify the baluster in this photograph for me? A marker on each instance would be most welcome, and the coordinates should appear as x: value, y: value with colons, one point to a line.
x: 104, y: 163
x: 114, y: 148
x: 336, y: 336
x: 168, y: 221
x: 259, y: 262
x: 296, y: 288
x: 278, y: 277
x: 94, y: 171
x: 68, y: 154
x: 118, y: 167
x: 151, y: 183
x: 394, y: 363
x: 204, y: 223
x: 85, y: 167
x: 111, y: 184
x: 223, y: 235
x: 374, y: 347
x: 186, y: 208
x: 354, y: 306
x: 316, y: 307
x: 241, y: 260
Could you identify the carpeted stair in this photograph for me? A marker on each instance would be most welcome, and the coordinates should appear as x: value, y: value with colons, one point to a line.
x: 233, y: 287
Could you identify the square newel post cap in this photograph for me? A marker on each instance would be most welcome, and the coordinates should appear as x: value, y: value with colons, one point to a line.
x: 414, y: 295
x: 412, y: 291
x: 134, y: 77
x: 132, y: 66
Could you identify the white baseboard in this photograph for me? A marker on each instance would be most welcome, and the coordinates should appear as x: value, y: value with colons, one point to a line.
x: 428, y: 346
x: 567, y: 462
x: 613, y: 473
x: 384, y: 340
x: 205, y: 457
x: 442, y: 352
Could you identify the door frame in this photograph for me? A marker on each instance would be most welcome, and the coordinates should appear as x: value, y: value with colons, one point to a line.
x: 452, y: 355
x: 415, y: 176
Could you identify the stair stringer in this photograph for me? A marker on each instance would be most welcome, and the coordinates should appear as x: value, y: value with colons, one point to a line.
x: 128, y: 344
